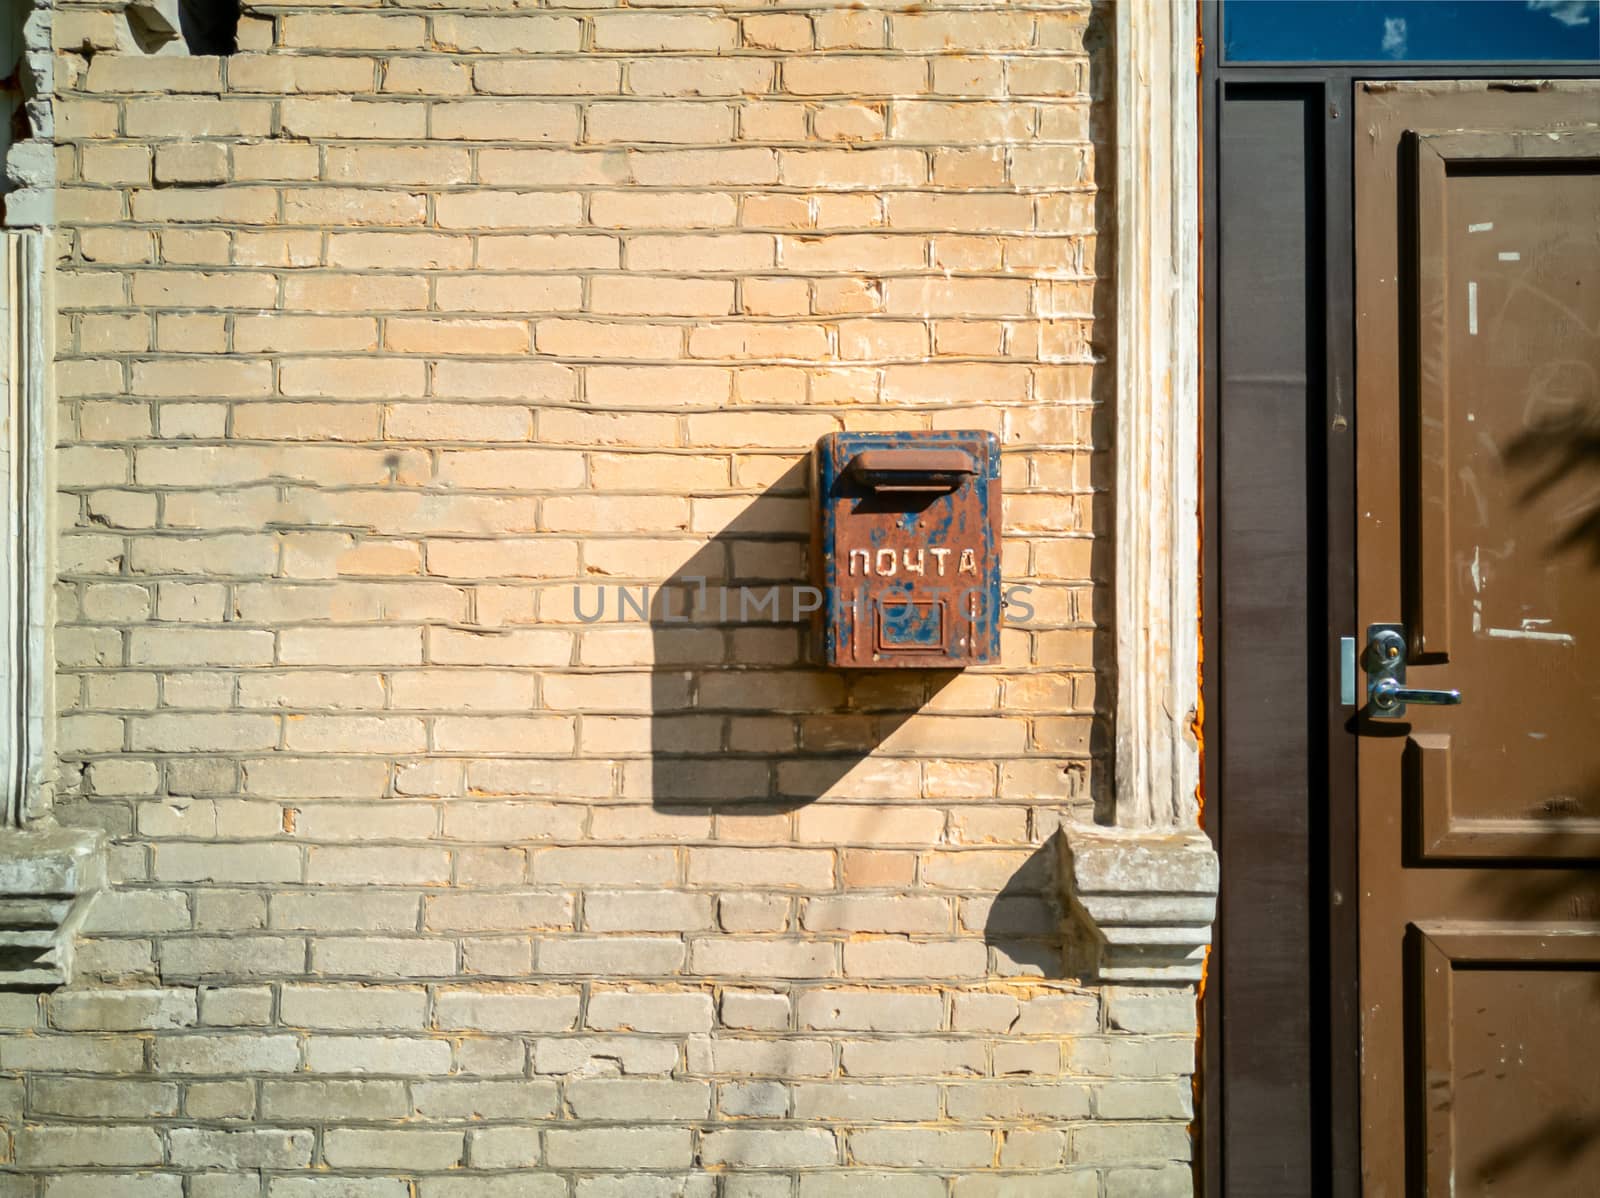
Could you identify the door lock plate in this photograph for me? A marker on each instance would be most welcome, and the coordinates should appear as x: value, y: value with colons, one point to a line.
x: 1385, y: 663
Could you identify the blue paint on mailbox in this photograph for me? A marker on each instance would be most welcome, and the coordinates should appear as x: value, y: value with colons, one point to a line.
x: 906, y: 545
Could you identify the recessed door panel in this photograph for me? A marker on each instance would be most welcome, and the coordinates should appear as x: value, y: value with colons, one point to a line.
x: 1508, y: 1107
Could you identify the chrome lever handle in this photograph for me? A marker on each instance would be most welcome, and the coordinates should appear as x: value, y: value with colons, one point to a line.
x: 1387, y: 694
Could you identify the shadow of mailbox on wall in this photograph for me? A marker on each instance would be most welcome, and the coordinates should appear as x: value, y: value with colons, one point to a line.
x: 743, y: 712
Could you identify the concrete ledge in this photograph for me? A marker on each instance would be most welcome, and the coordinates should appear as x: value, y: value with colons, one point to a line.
x: 1146, y: 899
x: 48, y: 878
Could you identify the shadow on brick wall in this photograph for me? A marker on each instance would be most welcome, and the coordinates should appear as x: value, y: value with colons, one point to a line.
x: 743, y: 716
x: 1022, y: 926
x: 1098, y: 44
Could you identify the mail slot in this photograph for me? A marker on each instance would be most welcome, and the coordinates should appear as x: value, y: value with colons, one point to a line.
x: 906, y: 545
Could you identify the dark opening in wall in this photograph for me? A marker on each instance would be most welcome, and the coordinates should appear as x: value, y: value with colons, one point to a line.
x: 206, y: 26
x: 209, y: 26
x: 13, y: 113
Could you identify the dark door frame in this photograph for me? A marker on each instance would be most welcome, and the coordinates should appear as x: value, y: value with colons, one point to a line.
x: 1327, y: 1063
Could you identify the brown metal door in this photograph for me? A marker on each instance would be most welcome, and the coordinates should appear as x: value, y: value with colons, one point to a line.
x: 1478, y: 490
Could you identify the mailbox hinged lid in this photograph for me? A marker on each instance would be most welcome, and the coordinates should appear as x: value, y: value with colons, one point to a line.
x: 907, y: 548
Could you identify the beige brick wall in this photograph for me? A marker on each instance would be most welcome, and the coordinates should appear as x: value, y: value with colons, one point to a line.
x: 391, y: 344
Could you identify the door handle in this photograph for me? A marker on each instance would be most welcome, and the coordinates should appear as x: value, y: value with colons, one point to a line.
x: 1390, y: 698
x: 1385, y: 663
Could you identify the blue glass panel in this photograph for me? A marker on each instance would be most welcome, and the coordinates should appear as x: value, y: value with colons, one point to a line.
x: 1411, y: 30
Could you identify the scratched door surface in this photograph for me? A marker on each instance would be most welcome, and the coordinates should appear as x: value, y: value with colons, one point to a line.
x: 1478, y: 484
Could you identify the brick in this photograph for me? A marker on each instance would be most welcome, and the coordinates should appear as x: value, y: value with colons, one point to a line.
x: 425, y: 77
x: 337, y: 1187
x: 736, y: 957
x: 658, y: 122
x: 752, y: 1009
x: 700, y: 77
x: 506, y: 34
x: 807, y: 868
x: 925, y: 1057
x: 236, y: 1006
x: 588, y: 1055
x: 777, y: 31
x: 525, y: 381
x: 431, y: 164
x: 522, y: 1010
x: 330, y: 1100
x: 192, y: 162
x: 377, y: 1054
x: 347, y: 31
x: 511, y: 294
x: 705, y: 167
x: 946, y: 1148
x: 1172, y: 1099
x: 440, y: 336
x: 269, y: 160
x: 489, y: 1185
x: 1017, y: 1101
x: 1129, y: 1143
x: 383, y: 957
x: 212, y: 1054
x: 1170, y: 1181
x: 862, y: 1183
x: 646, y: 911
x: 645, y: 1011
x: 520, y: 1099
x: 361, y: 1148
x: 122, y: 1010
x: 851, y: 169
x: 661, y: 297
x: 865, y: 1010
x: 508, y: 209
x: 556, y: 77
x: 121, y: 73
x: 196, y: 117
x: 347, y: 1007
x: 770, y: 1148
x: 68, y: 1146
x: 619, y: 1148
x: 594, y: 339
x: 866, y: 1102
x: 617, y: 955
x: 505, y: 120
x: 130, y: 1185
x: 102, y: 1098
x: 544, y: 251
x: 77, y: 1054
x: 1151, y: 1011
x: 1059, y: 1015
x: 738, y: 1099
x: 875, y: 825
x: 853, y: 75
x: 503, y: 1147
x: 424, y: 251
x: 641, y: 31
x: 638, y: 1099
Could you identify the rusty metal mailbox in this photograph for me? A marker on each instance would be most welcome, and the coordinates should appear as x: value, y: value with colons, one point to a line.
x: 907, y: 547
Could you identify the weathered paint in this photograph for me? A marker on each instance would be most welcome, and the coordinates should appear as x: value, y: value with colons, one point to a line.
x: 908, y: 548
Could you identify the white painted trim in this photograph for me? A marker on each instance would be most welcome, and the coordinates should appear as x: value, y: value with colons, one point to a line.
x: 1157, y: 450
x: 25, y: 541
